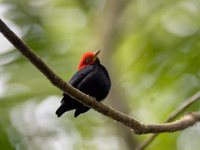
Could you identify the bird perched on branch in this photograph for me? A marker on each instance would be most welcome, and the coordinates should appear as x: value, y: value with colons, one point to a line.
x: 92, y: 78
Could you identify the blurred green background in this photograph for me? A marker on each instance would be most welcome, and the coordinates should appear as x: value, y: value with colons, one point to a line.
x: 151, y: 49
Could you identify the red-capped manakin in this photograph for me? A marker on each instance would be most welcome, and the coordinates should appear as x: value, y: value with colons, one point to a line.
x: 92, y: 78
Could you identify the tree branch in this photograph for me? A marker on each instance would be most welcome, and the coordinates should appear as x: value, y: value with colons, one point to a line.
x: 137, y: 127
x: 172, y: 116
x: 187, y: 103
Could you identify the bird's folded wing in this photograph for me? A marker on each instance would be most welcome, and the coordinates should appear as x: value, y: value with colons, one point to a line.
x: 80, y: 75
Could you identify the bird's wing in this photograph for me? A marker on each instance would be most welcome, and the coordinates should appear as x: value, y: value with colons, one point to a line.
x: 80, y: 75
x: 77, y: 78
x: 86, y: 80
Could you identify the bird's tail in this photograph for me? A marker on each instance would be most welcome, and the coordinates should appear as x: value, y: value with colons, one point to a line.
x: 66, y: 105
x: 61, y: 110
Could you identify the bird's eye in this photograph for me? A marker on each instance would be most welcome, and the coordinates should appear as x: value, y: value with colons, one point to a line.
x: 88, y: 60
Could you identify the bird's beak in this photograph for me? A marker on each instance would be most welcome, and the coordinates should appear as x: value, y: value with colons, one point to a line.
x: 96, y: 54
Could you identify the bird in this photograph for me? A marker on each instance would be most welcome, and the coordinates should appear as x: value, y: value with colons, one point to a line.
x: 92, y: 78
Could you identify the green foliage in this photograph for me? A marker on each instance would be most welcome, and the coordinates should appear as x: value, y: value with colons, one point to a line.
x: 154, y: 56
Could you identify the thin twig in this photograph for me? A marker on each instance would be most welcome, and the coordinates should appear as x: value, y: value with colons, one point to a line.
x: 187, y: 103
x: 173, y: 115
x: 138, y: 128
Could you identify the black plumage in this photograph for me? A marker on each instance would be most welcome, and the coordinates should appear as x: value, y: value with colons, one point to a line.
x: 93, y: 80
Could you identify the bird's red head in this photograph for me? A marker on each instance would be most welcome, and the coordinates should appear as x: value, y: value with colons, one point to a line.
x: 87, y: 59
